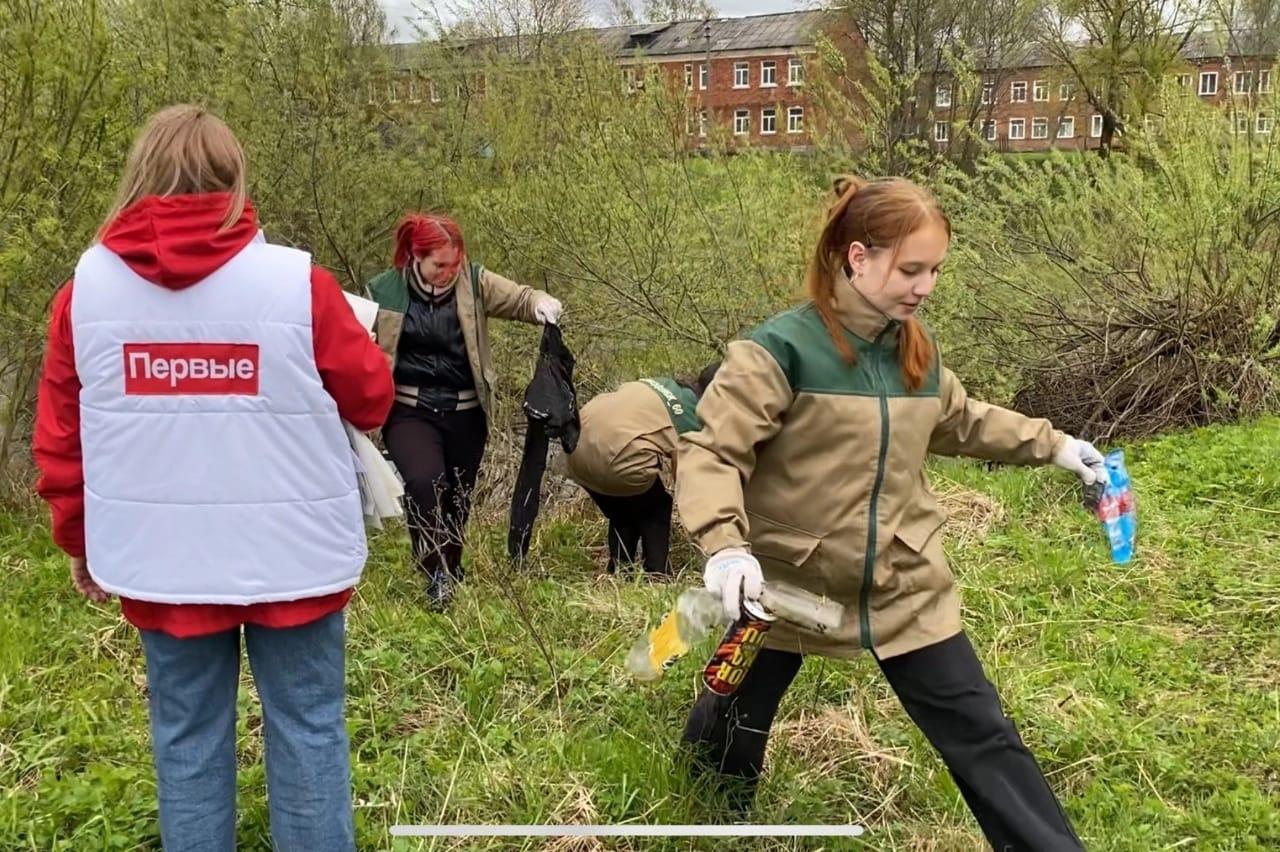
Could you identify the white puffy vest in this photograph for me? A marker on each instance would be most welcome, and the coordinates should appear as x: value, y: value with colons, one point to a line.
x: 216, y: 467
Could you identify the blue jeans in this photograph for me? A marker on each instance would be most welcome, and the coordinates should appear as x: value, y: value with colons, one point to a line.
x: 299, y: 672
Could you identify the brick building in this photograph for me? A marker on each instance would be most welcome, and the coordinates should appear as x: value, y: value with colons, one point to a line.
x: 1034, y: 106
x: 745, y: 77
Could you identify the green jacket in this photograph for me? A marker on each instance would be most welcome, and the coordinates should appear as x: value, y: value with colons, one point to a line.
x: 629, y: 434
x: 481, y: 294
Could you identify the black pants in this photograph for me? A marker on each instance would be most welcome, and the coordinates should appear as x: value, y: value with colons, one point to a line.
x: 946, y: 693
x: 643, y: 520
x: 438, y: 456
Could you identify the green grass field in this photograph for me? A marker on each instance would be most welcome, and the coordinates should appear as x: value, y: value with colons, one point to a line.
x: 1149, y: 692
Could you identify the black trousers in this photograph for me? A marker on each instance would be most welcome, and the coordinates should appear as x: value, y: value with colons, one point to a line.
x: 946, y: 693
x: 438, y: 456
x: 641, y: 521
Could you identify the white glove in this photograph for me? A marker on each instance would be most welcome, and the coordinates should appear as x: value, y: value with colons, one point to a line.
x: 734, y: 574
x: 548, y: 310
x: 1082, y: 459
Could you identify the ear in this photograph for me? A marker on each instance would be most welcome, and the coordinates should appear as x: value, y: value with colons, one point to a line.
x: 857, y: 258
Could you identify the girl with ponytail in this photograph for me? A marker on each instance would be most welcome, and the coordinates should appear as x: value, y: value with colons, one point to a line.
x: 809, y: 468
x: 433, y: 311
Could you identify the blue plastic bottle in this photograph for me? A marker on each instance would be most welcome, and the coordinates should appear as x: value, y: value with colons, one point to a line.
x: 1117, y: 509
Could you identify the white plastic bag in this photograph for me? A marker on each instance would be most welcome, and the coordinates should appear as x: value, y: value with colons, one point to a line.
x: 380, y: 487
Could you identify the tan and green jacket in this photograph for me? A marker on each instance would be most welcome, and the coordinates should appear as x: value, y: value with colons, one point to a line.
x: 818, y: 468
x: 481, y: 294
x: 630, y: 434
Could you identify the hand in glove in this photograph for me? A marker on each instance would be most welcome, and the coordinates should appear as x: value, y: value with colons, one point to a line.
x: 1082, y: 459
x: 734, y: 574
x: 548, y: 310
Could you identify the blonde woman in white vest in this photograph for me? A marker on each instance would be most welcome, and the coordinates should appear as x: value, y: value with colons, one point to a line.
x: 190, y: 442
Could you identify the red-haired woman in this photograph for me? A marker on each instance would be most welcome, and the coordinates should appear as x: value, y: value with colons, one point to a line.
x: 432, y: 323
x: 810, y: 468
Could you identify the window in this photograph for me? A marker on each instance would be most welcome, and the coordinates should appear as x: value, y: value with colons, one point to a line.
x: 1018, y: 92
x: 460, y: 90
x: 1017, y: 128
x: 741, y: 122
x: 988, y: 93
x: 1264, y: 81
x: 1040, y: 91
x: 741, y: 75
x: 1184, y: 80
x: 432, y: 93
x: 941, y: 131
x: 392, y: 94
x: 795, y: 72
x: 689, y: 125
x: 795, y: 119
x: 768, y: 74
x: 1242, y: 124
x: 768, y: 120
x: 942, y: 96
x: 688, y: 76
x: 989, y: 130
x: 702, y: 123
x: 1067, y: 127
x: 1095, y: 126
x: 702, y: 75
x: 1066, y: 90
x: 1039, y: 128
x: 628, y: 80
x: 1244, y: 80
x: 1264, y: 123
x: 413, y: 90
x: 1208, y: 82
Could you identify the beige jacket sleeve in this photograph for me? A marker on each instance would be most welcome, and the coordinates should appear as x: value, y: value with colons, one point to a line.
x: 505, y: 299
x: 968, y: 427
x: 742, y: 409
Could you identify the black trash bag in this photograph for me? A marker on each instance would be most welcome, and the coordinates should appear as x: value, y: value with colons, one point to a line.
x: 551, y: 409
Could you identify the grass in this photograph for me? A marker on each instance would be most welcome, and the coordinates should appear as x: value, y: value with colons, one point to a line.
x: 1149, y: 692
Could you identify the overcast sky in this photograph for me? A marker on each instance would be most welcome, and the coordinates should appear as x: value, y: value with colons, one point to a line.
x: 401, y: 13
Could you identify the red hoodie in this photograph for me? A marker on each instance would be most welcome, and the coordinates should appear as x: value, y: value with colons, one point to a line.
x: 176, y: 242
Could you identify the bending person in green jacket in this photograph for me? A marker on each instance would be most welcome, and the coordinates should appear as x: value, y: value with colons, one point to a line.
x: 628, y: 437
x: 432, y: 323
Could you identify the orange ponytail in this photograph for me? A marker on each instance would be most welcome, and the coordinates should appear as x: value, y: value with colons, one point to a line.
x: 915, y: 354
x: 879, y: 213
x: 820, y: 277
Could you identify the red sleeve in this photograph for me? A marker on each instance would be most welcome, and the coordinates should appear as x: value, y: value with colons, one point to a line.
x: 354, y: 370
x: 56, y: 444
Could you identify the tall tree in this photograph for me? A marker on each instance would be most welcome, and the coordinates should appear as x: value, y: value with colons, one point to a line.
x: 526, y: 26
x: 894, y: 54
x: 1119, y: 51
x: 634, y: 12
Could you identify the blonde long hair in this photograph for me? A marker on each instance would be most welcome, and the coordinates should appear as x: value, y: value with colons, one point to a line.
x: 878, y: 213
x: 183, y: 149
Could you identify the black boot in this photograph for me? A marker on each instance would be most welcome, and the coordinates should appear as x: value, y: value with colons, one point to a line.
x: 440, y: 590
x: 726, y: 735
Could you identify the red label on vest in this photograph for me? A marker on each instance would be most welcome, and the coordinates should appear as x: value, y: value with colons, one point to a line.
x: 183, y: 369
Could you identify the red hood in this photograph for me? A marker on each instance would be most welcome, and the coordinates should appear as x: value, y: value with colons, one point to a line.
x: 177, y: 240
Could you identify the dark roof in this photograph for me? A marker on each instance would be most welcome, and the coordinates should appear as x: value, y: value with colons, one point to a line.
x: 673, y: 38
x: 1215, y: 44
x: 1208, y: 44
x: 756, y: 32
